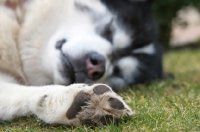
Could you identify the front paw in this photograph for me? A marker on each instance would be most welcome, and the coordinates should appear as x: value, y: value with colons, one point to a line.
x: 80, y: 105
x: 97, y: 105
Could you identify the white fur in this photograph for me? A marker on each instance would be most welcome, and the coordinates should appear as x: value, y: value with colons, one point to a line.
x: 149, y: 49
x: 37, y: 36
x: 95, y: 5
x: 128, y: 67
x: 121, y: 39
x: 8, y: 78
x: 17, y: 101
x: 58, y: 22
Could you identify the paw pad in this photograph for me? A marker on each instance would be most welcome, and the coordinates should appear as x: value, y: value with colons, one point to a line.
x: 80, y: 100
x: 101, y: 89
x: 97, y: 105
x: 116, y: 104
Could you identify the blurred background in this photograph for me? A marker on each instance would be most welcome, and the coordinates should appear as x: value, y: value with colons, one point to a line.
x: 178, y: 23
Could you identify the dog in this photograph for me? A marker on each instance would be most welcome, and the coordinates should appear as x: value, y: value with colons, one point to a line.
x: 62, y: 60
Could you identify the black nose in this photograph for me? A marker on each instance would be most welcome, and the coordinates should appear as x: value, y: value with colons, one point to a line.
x: 95, y: 65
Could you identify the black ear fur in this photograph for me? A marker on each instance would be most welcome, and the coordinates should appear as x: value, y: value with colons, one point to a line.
x: 148, y: 1
x: 151, y: 1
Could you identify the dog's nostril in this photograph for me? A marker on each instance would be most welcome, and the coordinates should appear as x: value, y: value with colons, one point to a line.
x: 60, y: 43
x: 95, y: 66
x: 94, y: 61
x: 96, y: 75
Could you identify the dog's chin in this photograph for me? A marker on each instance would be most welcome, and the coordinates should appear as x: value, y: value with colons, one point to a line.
x: 69, y: 78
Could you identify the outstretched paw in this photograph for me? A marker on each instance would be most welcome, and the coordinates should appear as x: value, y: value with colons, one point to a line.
x: 96, y: 105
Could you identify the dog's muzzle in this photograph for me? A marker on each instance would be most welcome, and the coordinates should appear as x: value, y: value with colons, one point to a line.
x: 85, y: 69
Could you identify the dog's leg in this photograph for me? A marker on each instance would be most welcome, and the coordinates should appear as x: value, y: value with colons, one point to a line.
x: 13, y: 101
x: 76, y: 104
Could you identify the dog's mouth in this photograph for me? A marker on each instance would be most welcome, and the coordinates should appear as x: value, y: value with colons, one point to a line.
x: 82, y: 70
x: 69, y: 69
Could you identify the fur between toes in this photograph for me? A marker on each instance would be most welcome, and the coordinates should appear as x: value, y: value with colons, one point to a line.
x: 99, y: 111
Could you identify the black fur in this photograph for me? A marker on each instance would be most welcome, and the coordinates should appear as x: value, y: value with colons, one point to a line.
x: 137, y: 17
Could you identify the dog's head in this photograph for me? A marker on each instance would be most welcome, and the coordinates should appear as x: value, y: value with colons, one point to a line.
x: 87, y: 46
x: 95, y: 40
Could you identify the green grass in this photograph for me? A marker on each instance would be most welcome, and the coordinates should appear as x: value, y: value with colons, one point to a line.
x: 164, y: 105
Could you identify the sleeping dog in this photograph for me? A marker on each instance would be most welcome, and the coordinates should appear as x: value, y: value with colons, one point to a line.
x: 68, y: 42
